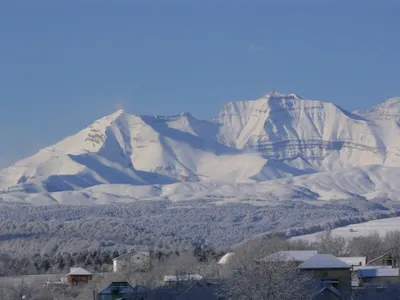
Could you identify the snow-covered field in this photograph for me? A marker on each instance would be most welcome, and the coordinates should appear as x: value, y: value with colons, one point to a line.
x: 381, y: 227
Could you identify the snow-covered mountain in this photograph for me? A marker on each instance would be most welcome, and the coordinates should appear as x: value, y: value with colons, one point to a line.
x: 278, y: 146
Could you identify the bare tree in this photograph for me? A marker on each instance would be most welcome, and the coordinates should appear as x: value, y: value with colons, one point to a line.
x: 327, y: 243
x: 392, y: 243
x: 251, y: 278
x: 370, y: 246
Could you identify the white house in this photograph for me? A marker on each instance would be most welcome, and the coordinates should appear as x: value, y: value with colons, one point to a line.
x: 134, y: 260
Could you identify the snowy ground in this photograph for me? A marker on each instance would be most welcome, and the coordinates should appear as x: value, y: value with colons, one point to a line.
x: 381, y: 226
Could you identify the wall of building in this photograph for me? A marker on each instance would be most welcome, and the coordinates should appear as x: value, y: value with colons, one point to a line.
x: 134, y: 261
x: 343, y: 276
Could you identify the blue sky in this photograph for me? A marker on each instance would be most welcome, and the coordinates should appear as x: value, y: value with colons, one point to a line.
x: 64, y: 64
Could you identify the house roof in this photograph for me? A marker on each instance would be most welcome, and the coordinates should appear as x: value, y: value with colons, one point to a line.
x: 379, y: 257
x: 291, y: 255
x: 226, y: 258
x: 378, y: 272
x: 354, y: 260
x: 122, y: 288
x: 187, y: 277
x: 330, y: 288
x: 79, y: 271
x: 144, y: 253
x: 324, y: 261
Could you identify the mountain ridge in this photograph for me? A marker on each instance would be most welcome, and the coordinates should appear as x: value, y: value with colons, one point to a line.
x: 267, y: 140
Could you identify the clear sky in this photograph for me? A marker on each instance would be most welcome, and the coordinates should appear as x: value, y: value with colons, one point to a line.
x: 64, y: 64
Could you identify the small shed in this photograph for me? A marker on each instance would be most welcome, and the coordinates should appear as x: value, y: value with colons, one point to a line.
x: 79, y: 276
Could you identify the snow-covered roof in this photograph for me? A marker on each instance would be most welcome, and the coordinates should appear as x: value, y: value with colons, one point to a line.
x: 324, y: 261
x: 79, y: 271
x: 226, y: 258
x: 354, y: 261
x: 378, y: 272
x: 291, y: 255
x: 170, y: 278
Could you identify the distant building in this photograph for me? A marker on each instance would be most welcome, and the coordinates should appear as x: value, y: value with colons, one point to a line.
x: 135, y: 260
x: 384, y: 260
x: 334, y: 275
x: 378, y: 277
x: 79, y: 276
x: 290, y: 256
x: 355, y: 263
x: 122, y: 290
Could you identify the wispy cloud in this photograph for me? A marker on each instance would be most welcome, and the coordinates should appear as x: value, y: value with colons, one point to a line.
x: 122, y: 103
x: 255, y: 48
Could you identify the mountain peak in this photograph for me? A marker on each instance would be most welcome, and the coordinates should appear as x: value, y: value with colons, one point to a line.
x: 393, y: 102
x: 387, y: 110
x: 275, y: 94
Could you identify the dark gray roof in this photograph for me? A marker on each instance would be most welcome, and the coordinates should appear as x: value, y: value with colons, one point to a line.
x: 324, y: 261
x: 122, y: 288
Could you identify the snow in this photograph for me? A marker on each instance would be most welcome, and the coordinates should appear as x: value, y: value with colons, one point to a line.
x: 354, y: 261
x: 291, y: 255
x: 323, y: 261
x: 381, y: 227
x: 226, y: 258
x: 278, y: 147
x: 79, y: 271
x: 378, y: 272
x: 194, y: 277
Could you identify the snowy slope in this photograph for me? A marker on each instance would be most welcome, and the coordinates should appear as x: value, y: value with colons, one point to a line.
x: 381, y: 227
x: 276, y: 147
x: 388, y: 110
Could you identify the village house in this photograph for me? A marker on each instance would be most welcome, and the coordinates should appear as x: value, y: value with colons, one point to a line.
x: 378, y: 277
x: 79, y: 276
x: 290, y: 256
x: 384, y: 260
x: 355, y: 263
x: 333, y: 274
x: 134, y: 260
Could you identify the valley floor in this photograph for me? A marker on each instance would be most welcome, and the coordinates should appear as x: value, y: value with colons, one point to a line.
x: 172, y: 225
